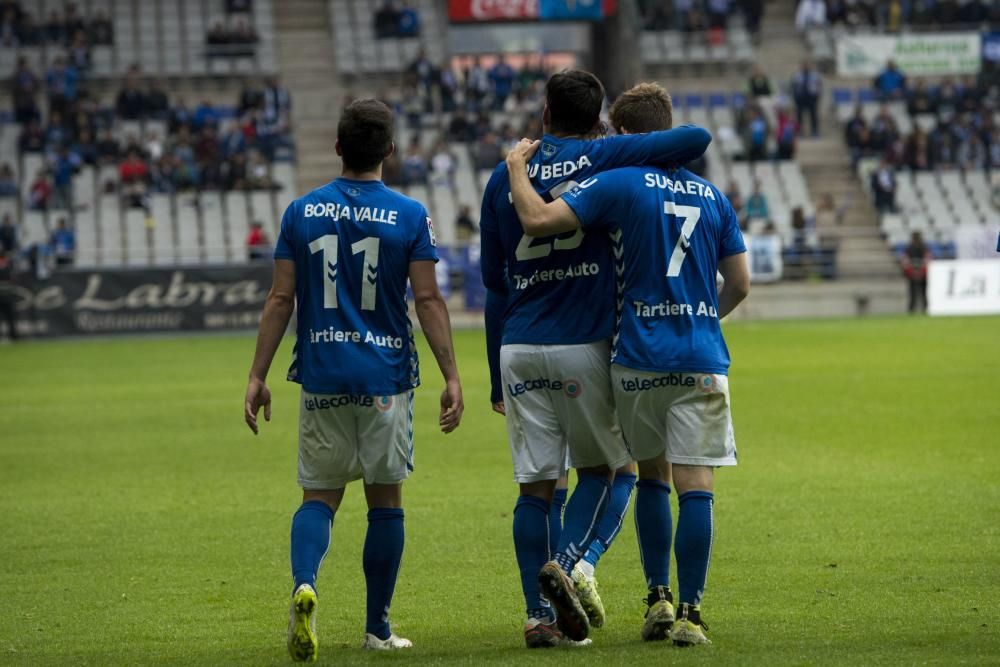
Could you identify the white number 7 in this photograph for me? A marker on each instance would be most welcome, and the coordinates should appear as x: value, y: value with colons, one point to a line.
x: 691, y: 215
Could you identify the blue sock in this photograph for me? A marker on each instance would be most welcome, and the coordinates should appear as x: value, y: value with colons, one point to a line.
x: 654, y: 528
x: 556, y: 520
x: 693, y: 546
x: 583, y: 515
x: 382, y: 554
x: 611, y: 522
x: 531, y: 545
x: 311, y: 527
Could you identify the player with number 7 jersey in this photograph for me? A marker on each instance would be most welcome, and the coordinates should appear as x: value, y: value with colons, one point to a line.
x: 549, y: 320
x: 672, y: 232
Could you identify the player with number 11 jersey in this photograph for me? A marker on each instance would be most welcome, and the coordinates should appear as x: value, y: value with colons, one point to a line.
x: 344, y: 255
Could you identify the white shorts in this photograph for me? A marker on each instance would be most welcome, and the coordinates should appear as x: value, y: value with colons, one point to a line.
x: 685, y: 415
x: 347, y: 437
x: 559, y: 409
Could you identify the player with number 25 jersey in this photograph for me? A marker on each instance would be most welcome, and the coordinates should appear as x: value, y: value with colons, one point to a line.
x: 672, y: 232
x: 554, y: 352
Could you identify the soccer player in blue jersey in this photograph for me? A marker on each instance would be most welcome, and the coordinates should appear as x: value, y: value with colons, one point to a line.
x: 672, y: 232
x: 343, y: 257
x: 550, y: 306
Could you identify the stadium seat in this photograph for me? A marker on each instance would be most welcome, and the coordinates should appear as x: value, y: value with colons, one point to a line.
x: 284, y: 176
x: 188, y: 236
x: 34, y: 230
x: 164, y: 253
x: 137, y: 246
x: 239, y: 225
x: 212, y: 225
x: 112, y: 249
x: 85, y: 229
x: 262, y: 211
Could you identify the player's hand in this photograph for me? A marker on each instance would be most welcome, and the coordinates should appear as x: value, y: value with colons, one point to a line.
x: 258, y: 395
x: 519, y: 155
x: 452, y: 406
x: 500, y: 408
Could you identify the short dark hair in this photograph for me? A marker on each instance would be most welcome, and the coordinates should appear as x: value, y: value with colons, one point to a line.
x: 365, y: 134
x: 574, y: 98
x: 646, y: 107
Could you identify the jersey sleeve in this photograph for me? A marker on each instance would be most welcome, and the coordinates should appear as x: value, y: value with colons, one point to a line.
x: 731, y: 241
x: 665, y: 148
x: 491, y: 259
x: 496, y: 305
x: 597, y: 200
x: 493, y: 268
x: 284, y: 247
x: 424, y: 245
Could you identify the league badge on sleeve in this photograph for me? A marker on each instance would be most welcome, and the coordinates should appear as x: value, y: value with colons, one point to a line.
x: 430, y: 231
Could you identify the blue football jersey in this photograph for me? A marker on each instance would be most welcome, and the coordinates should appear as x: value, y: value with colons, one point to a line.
x: 559, y: 290
x: 669, y: 230
x: 352, y: 243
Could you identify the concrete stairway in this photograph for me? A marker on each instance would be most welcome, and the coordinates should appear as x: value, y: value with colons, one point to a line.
x: 306, y: 58
x: 825, y: 161
x: 779, y: 50
x: 863, y: 252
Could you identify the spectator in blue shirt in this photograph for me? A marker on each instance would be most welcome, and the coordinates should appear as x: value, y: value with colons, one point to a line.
x: 61, y: 82
x: 757, y: 207
x: 24, y: 86
x: 63, y: 243
x: 55, y: 133
x: 63, y: 168
x: 502, y: 77
x: 204, y: 115
x: 409, y: 21
x: 891, y: 83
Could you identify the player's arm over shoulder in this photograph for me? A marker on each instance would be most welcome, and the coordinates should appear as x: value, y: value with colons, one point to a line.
x: 665, y: 148
x: 537, y: 217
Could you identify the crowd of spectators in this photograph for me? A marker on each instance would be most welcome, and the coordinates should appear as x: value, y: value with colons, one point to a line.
x: 498, y: 86
x: 20, y: 27
x: 234, y: 37
x: 471, y: 96
x: 964, y: 135
x: 805, y: 251
x: 763, y: 139
x: 700, y: 15
x: 204, y: 147
x: 893, y: 15
x: 396, y: 20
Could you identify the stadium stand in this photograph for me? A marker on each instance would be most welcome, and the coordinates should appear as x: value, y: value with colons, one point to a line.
x: 457, y: 114
x: 676, y: 48
x: 698, y: 33
x: 165, y: 37
x: 358, y: 50
x: 940, y: 141
x: 113, y: 147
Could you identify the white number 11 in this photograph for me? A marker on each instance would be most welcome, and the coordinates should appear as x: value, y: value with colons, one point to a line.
x: 328, y: 245
x: 691, y: 215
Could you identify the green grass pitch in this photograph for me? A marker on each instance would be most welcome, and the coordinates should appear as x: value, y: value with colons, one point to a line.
x: 142, y: 523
